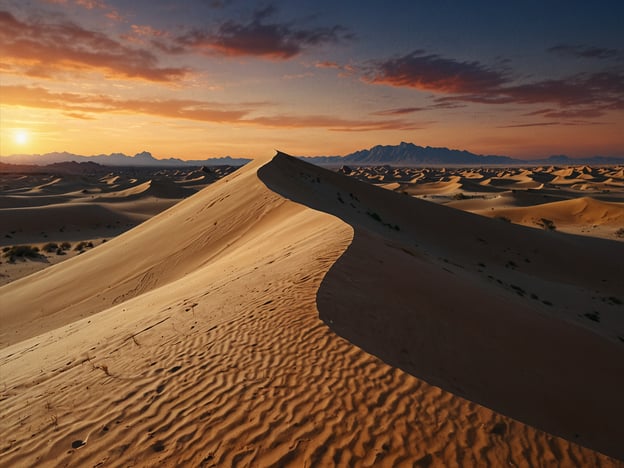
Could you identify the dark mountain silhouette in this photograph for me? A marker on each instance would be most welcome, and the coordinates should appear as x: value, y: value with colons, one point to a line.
x: 409, y: 154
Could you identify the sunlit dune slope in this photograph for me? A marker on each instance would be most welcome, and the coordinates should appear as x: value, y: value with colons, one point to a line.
x: 165, y: 248
x: 583, y: 211
x: 195, y: 340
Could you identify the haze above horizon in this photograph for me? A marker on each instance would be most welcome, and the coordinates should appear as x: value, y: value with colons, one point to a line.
x: 209, y: 78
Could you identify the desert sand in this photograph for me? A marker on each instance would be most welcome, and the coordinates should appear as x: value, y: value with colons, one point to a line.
x: 578, y: 200
x: 46, y: 206
x: 287, y: 315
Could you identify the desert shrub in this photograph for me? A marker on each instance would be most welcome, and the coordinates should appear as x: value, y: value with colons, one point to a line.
x: 50, y: 247
x: 80, y: 246
x: 459, y: 196
x: 21, y: 251
x: 504, y: 218
x: 619, y: 233
x: 547, y: 224
x: 65, y: 246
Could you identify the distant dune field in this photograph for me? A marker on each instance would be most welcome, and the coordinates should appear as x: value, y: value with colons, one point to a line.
x: 578, y: 200
x: 82, y: 206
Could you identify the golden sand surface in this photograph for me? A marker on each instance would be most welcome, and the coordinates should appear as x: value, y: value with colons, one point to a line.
x: 287, y: 315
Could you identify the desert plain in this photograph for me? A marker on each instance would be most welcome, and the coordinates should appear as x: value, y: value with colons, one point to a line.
x: 284, y: 314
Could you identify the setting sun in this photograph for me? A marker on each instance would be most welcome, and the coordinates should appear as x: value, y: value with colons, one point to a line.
x: 21, y: 137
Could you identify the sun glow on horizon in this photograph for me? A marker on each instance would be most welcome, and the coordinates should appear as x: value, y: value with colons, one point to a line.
x: 21, y: 137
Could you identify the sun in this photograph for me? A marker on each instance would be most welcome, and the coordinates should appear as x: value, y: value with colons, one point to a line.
x: 21, y: 137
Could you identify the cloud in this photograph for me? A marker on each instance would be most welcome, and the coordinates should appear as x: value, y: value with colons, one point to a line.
x: 587, y: 113
x: 327, y: 64
x: 95, y: 104
x: 548, y: 124
x: 531, y: 124
x: 260, y: 38
x: 148, y: 31
x: 472, y: 82
x: 92, y: 4
x: 334, y: 123
x: 78, y: 115
x: 143, y: 35
x: 84, y: 106
x: 584, y: 51
x: 599, y: 91
x: 399, y: 111
x: 297, y: 76
x: 436, y: 74
x: 111, y: 13
x: 115, y: 16
x: 44, y: 49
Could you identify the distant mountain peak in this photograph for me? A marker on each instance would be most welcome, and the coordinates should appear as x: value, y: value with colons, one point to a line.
x: 409, y: 154
x: 145, y: 155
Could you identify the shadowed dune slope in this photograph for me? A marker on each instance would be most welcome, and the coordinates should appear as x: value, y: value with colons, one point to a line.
x: 195, y: 339
x: 490, y: 311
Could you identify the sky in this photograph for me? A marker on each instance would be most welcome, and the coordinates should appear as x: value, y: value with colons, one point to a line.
x: 196, y: 79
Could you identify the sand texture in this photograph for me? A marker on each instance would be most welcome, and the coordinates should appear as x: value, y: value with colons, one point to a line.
x: 69, y: 203
x: 577, y: 200
x: 287, y: 315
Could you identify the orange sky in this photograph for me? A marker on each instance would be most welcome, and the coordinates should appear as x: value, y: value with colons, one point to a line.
x: 215, y: 78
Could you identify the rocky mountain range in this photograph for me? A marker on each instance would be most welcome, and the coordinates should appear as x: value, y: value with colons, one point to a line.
x: 409, y: 154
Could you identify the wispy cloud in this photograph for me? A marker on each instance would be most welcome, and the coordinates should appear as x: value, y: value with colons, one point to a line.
x: 96, y: 104
x: 334, y: 123
x: 42, y: 48
x: 327, y: 64
x: 548, y: 124
x: 568, y: 113
x: 109, y: 11
x: 530, y: 124
x: 584, y: 51
x: 398, y: 111
x: 85, y: 106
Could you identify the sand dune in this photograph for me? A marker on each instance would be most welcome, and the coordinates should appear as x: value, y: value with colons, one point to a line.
x: 153, y: 188
x: 194, y: 339
x: 497, y: 192
x: 568, y: 215
x: 90, y: 207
